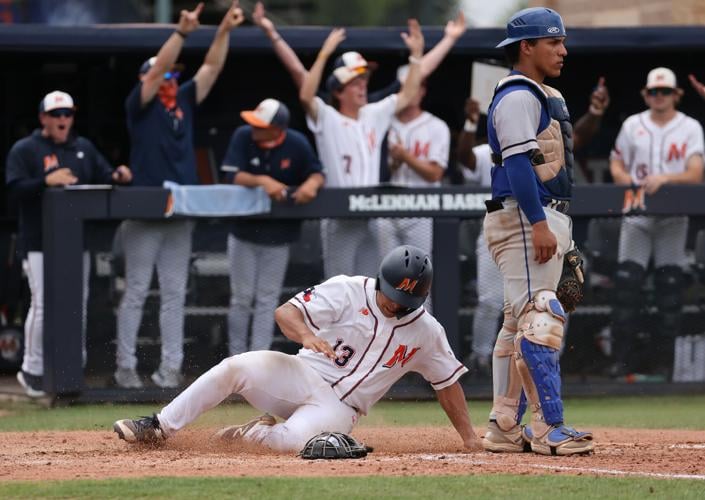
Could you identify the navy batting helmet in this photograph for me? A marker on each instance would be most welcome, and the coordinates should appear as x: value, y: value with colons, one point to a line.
x: 405, y: 276
x: 536, y: 22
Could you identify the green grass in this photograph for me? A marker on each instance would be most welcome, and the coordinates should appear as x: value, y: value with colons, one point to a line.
x: 436, y: 487
x: 663, y: 412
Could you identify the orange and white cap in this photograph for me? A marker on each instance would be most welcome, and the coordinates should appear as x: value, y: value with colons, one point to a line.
x: 346, y: 68
x: 268, y: 113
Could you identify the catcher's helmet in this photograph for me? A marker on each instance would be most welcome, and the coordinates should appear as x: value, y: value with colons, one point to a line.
x: 405, y: 276
x: 536, y: 22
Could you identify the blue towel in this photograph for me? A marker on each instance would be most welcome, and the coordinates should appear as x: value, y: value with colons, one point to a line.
x: 216, y: 200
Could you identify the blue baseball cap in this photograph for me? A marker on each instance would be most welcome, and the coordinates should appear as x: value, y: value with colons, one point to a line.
x: 536, y: 22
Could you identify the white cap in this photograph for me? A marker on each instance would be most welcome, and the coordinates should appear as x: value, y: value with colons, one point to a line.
x: 56, y: 100
x: 661, y: 78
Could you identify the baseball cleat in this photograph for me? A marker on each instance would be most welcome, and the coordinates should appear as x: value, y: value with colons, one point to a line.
x: 127, y: 379
x: 32, y: 384
x: 236, y: 432
x: 515, y: 440
x: 143, y: 430
x: 562, y: 440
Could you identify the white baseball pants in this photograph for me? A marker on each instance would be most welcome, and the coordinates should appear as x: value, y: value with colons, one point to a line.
x: 276, y: 383
x: 33, y: 265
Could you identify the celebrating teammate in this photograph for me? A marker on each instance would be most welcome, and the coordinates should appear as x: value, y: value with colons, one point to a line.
x: 418, y: 155
x: 655, y: 147
x: 160, y: 116
x: 50, y: 157
x: 359, y: 336
x: 528, y: 234
x: 349, y: 136
x: 265, y: 153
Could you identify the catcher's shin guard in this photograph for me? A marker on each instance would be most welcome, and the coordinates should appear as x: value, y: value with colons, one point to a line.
x: 504, y: 433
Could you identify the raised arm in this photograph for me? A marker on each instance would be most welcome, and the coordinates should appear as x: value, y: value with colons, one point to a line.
x: 698, y: 86
x: 415, y: 43
x: 466, y: 138
x: 284, y: 52
x: 312, y: 79
x: 452, y: 400
x: 212, y: 65
x: 169, y: 53
x: 453, y: 31
x: 588, y: 124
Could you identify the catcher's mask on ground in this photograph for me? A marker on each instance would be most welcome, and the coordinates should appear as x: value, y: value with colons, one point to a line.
x: 329, y: 445
x: 405, y: 277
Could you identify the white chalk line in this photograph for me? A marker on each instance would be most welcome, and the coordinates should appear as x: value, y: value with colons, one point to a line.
x: 688, y: 446
x: 613, y: 472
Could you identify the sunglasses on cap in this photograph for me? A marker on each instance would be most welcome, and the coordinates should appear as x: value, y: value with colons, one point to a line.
x: 660, y: 90
x: 57, y: 113
x: 172, y: 74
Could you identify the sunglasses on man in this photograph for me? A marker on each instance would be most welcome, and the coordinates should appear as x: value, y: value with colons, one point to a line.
x: 660, y: 90
x: 172, y: 74
x: 58, y: 113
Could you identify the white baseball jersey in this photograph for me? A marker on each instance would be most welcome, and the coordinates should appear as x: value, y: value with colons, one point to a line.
x: 350, y: 149
x: 649, y: 149
x: 482, y: 174
x: 373, y: 351
x: 428, y: 138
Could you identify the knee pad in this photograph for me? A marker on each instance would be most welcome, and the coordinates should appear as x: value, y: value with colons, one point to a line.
x: 629, y: 281
x: 543, y: 320
x: 670, y: 283
x: 539, y: 368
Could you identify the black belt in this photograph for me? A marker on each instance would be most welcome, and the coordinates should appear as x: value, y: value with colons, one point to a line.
x: 495, y: 204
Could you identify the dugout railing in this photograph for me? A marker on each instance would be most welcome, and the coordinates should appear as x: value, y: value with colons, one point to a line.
x: 67, y: 212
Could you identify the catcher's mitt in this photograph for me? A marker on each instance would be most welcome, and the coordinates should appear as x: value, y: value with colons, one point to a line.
x: 333, y: 445
x: 570, y: 285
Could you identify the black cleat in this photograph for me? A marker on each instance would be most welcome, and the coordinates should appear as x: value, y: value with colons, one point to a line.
x: 144, y: 430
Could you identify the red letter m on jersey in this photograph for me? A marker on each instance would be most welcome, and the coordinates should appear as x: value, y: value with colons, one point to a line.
x: 400, y: 355
x: 676, y: 154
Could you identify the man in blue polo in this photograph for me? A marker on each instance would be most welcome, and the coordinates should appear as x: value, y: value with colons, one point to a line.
x: 160, y: 118
x: 266, y: 154
x: 528, y: 234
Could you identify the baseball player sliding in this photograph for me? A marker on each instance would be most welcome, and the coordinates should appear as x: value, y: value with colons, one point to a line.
x: 359, y: 336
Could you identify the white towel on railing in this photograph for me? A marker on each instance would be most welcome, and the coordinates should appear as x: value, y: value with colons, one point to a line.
x: 218, y: 200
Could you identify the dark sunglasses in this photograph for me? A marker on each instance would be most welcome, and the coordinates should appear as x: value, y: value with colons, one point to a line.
x: 57, y: 113
x: 660, y: 90
x: 172, y: 74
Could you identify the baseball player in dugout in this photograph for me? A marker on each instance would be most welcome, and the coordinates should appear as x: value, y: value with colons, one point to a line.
x: 655, y: 147
x: 52, y: 156
x: 265, y: 153
x: 359, y: 335
x: 528, y: 236
x: 160, y: 114
x: 477, y: 162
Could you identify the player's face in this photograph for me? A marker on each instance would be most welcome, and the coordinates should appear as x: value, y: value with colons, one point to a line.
x: 261, y: 134
x: 548, y: 55
x: 354, y: 94
x: 56, y: 124
x: 661, y: 99
x: 389, y: 308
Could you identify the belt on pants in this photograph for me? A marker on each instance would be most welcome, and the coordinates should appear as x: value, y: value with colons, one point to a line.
x: 495, y: 204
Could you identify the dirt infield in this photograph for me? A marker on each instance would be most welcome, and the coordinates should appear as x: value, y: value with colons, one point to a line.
x: 398, y: 451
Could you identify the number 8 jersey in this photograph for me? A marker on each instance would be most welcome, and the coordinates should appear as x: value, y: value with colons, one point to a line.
x: 373, y: 351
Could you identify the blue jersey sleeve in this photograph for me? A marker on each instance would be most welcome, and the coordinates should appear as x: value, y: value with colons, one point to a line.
x: 523, y: 184
x: 236, y: 156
